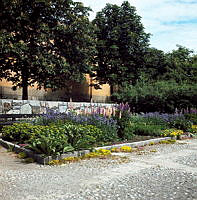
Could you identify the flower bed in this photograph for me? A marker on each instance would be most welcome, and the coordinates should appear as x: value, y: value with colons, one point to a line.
x: 55, y: 134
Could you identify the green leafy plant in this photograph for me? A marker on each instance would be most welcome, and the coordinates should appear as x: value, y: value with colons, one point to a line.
x: 82, y: 136
x: 51, y: 140
x: 192, y: 117
x: 181, y: 124
x: 145, y: 129
x: 126, y: 130
x: 19, y: 132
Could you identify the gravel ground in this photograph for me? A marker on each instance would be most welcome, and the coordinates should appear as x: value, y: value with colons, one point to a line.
x: 156, y: 172
x: 188, y: 160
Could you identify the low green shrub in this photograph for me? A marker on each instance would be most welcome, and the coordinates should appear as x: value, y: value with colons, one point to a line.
x: 50, y: 140
x: 19, y: 132
x: 191, y: 117
x: 125, y: 131
x: 83, y: 136
x: 56, y: 138
x: 181, y: 124
x: 147, y: 130
x: 149, y: 120
x: 109, y: 132
x: 22, y: 155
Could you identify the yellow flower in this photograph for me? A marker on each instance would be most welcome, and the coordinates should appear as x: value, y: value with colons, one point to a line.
x: 126, y: 149
x: 54, y: 162
x: 115, y: 150
x: 104, y: 151
x: 194, y: 126
x: 69, y: 159
x: 172, y: 132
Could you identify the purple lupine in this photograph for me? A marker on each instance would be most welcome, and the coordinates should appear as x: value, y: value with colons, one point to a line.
x: 93, y: 119
x: 163, y: 116
x: 123, y: 107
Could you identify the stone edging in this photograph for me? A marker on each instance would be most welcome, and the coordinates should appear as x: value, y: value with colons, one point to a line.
x: 45, y: 160
x: 39, y: 158
x: 135, y: 144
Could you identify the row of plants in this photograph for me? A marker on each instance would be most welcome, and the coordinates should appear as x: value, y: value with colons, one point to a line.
x: 57, y: 133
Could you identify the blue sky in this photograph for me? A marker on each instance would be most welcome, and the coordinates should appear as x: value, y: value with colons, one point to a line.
x: 170, y: 22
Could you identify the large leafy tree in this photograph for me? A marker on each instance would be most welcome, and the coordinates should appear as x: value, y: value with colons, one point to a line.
x: 121, y: 44
x: 47, y: 42
x: 155, y: 64
x: 182, y: 65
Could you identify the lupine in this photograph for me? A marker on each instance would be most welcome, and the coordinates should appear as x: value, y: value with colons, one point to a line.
x: 163, y: 116
x: 78, y: 118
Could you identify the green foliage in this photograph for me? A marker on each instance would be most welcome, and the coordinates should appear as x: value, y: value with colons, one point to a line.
x: 82, y: 136
x: 50, y: 43
x: 181, y: 65
x: 108, y: 126
x: 121, y: 44
x: 146, y: 129
x: 137, y: 125
x: 147, y: 120
x: 56, y: 138
x: 155, y: 64
x: 126, y: 131
x: 181, y: 124
x: 166, y: 83
x: 191, y: 117
x: 160, y: 96
x: 109, y: 132
x: 51, y: 140
x: 19, y: 132
x: 48, y: 140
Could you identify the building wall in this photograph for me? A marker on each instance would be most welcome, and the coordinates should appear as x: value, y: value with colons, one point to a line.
x: 80, y: 92
x: 6, y: 92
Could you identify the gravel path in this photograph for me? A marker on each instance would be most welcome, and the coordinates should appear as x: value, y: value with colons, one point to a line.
x: 167, y: 171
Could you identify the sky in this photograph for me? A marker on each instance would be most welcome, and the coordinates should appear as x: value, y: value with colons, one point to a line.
x: 170, y: 22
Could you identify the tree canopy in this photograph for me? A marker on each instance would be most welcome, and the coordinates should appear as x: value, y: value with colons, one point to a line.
x: 121, y: 44
x: 167, y: 82
x: 182, y: 65
x: 48, y: 42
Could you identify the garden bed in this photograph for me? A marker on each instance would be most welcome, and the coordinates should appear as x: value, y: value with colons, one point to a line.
x: 56, y: 136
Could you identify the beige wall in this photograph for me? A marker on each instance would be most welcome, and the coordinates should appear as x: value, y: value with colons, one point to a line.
x: 80, y: 92
x: 6, y: 92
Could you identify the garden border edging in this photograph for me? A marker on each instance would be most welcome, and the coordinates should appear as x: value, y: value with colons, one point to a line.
x: 45, y: 160
x: 38, y: 158
x: 135, y: 144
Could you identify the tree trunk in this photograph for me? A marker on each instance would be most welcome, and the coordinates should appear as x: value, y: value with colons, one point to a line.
x: 25, y: 93
x: 25, y: 86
